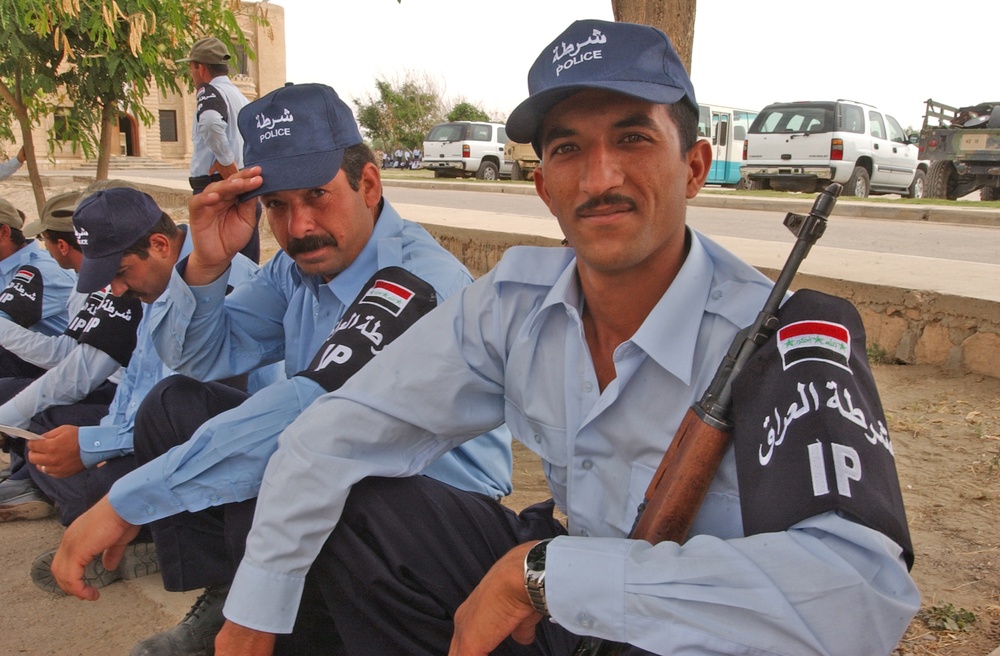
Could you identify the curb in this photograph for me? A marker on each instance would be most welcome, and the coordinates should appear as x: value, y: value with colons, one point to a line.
x: 729, y: 200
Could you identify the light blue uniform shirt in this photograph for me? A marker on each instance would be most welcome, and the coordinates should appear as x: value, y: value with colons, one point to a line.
x: 511, y: 347
x: 213, y: 138
x: 282, y: 313
x: 113, y: 437
x: 59, y: 284
x: 9, y: 167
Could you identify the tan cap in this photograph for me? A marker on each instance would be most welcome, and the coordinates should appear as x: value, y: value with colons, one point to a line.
x: 65, y: 211
x: 54, y: 215
x: 10, y: 215
x: 208, y: 51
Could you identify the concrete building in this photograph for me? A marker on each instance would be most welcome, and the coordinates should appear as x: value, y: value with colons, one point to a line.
x: 168, y: 138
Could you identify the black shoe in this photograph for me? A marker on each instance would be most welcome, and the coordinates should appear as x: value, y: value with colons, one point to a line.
x: 195, y: 634
x: 138, y: 560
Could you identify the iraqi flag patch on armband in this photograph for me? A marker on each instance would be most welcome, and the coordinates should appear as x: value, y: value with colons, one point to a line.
x: 390, y: 302
x: 810, y: 435
x: 23, y: 297
x: 803, y: 341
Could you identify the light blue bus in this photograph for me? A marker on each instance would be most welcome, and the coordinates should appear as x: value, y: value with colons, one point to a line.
x: 726, y: 129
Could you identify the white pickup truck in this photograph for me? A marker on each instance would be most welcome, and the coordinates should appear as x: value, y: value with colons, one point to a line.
x: 461, y: 149
x: 804, y: 146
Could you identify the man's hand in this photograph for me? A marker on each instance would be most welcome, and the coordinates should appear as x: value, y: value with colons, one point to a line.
x: 99, y: 530
x: 237, y: 640
x: 20, y: 155
x: 58, y: 454
x: 225, y: 170
x: 220, y: 225
x: 498, y: 607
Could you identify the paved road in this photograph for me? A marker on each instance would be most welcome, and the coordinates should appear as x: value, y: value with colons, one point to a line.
x: 936, y: 240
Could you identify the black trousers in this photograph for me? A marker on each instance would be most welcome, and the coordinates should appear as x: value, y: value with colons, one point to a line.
x: 75, y: 494
x: 405, y: 554
x: 192, y: 547
x: 12, y: 366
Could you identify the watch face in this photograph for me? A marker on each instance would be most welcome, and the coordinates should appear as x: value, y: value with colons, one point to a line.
x: 535, y: 559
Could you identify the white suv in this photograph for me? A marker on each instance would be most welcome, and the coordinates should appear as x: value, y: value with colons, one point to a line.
x: 467, y: 148
x: 803, y: 146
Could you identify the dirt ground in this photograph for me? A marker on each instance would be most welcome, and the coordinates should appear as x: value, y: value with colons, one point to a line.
x: 946, y: 430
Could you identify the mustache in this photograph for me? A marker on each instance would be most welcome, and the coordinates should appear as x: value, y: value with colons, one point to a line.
x: 297, y: 246
x: 604, y: 200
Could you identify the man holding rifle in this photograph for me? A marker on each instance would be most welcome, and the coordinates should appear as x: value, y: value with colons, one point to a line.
x: 592, y: 354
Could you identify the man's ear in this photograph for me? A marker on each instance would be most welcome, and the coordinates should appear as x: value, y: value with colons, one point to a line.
x: 63, y: 247
x: 370, y: 185
x: 539, y: 178
x: 699, y: 160
x: 159, y: 243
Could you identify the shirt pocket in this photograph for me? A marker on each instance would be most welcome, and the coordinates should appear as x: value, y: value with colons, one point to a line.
x: 545, y: 441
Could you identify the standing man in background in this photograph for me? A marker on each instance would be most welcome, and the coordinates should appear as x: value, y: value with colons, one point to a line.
x: 218, y: 146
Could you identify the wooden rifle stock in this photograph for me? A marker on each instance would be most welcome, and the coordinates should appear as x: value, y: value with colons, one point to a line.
x: 689, y: 465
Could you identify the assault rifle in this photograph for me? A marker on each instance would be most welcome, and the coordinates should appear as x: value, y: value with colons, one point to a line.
x: 689, y: 465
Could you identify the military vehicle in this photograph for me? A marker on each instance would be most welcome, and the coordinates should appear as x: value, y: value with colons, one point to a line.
x: 962, y: 145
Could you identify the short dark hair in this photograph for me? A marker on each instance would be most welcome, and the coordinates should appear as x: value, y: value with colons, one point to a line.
x: 686, y: 119
x: 17, y: 237
x: 355, y: 158
x: 164, y: 226
x: 68, y: 237
x: 216, y: 69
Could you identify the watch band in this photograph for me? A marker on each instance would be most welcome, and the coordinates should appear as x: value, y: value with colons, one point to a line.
x: 534, y: 576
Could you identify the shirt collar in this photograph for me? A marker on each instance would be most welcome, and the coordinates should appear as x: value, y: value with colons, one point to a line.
x: 20, y: 256
x: 668, y: 335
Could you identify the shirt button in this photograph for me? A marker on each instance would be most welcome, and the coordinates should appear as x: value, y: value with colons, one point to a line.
x: 585, y: 620
x: 587, y: 387
x: 149, y: 509
x: 97, y: 443
x: 717, y: 294
x: 215, y: 498
x: 538, y: 438
x: 587, y: 464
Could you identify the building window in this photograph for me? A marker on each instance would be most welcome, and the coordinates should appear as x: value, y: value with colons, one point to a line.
x: 168, y: 125
x: 238, y: 64
x: 61, y: 125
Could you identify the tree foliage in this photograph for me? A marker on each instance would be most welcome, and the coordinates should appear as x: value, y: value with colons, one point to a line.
x: 100, y: 59
x: 466, y: 111
x: 399, y: 113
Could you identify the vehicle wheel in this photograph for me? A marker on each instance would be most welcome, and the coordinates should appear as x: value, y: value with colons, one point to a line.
x: 487, y: 171
x: 857, y: 186
x: 917, y: 186
x: 516, y: 173
x: 939, y: 181
x: 440, y: 174
x: 758, y: 185
x: 989, y: 193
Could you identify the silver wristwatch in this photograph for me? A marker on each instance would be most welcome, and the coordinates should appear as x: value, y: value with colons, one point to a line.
x: 534, y: 576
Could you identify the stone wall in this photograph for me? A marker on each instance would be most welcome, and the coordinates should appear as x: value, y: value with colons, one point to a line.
x: 903, y: 326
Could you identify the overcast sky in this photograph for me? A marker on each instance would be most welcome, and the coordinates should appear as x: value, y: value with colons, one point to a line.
x: 746, y: 54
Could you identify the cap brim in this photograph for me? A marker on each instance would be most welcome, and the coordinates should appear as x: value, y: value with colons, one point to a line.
x: 526, y: 119
x: 33, y: 229
x: 97, y: 272
x: 306, y: 171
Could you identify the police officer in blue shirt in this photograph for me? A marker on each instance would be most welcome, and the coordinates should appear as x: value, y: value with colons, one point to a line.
x: 351, y: 277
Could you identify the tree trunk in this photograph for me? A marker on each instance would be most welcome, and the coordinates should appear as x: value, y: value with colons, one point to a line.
x: 109, y: 116
x: 13, y: 98
x: 674, y: 17
x: 29, y: 159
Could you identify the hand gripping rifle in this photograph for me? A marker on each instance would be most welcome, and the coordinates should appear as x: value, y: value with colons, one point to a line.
x: 689, y: 465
